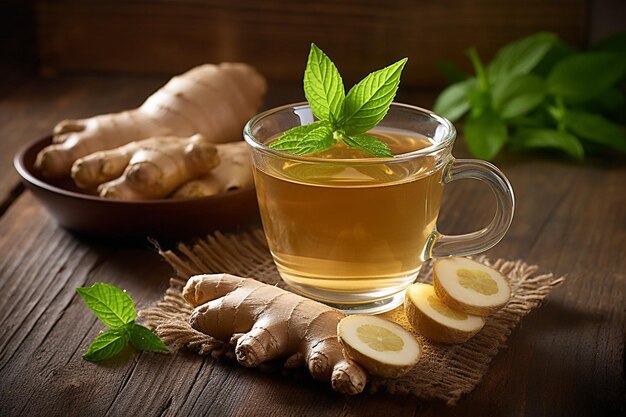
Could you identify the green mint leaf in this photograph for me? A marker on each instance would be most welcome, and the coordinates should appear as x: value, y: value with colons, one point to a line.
x: 143, y: 339
x: 368, y: 101
x: 596, y: 128
x: 369, y: 144
x: 110, y: 304
x: 611, y: 103
x: 308, y: 139
x: 557, y: 52
x: 520, y: 57
x: 517, y: 96
x: 586, y: 75
x: 453, y: 102
x: 614, y: 43
x: 535, y: 119
x: 529, y: 138
x: 485, y: 134
x: 451, y: 71
x: 323, y: 86
x: 106, y: 345
x: 483, y: 82
x: 480, y: 101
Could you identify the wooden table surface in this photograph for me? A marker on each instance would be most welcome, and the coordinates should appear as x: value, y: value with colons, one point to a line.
x: 565, y: 359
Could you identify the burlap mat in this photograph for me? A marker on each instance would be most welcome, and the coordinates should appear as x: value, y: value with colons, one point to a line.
x: 444, y: 371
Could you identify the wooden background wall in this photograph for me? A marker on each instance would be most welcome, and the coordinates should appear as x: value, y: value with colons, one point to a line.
x: 168, y: 36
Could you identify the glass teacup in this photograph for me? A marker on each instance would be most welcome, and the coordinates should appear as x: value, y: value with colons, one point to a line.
x: 354, y: 232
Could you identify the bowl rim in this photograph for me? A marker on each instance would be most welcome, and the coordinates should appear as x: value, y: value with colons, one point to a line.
x: 25, y: 173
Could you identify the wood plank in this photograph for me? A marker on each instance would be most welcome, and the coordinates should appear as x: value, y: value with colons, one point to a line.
x: 169, y: 36
x: 47, y: 327
x: 47, y: 324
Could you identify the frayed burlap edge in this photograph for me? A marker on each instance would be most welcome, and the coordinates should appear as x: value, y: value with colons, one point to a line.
x: 444, y: 371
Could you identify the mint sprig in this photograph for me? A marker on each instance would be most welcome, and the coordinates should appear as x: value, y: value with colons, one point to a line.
x: 117, y: 310
x: 342, y: 117
x: 306, y: 139
x: 323, y: 86
x: 540, y: 93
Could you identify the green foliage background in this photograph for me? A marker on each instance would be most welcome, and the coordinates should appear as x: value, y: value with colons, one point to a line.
x: 539, y: 92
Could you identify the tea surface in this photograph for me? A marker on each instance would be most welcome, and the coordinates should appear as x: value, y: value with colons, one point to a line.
x: 351, y: 228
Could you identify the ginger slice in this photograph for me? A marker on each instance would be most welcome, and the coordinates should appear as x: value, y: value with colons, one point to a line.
x: 382, y: 347
x: 470, y: 286
x: 432, y: 318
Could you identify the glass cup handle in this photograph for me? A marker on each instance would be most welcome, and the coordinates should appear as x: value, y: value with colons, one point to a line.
x: 486, y: 238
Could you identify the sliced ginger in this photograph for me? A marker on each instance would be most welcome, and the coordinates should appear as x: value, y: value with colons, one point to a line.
x: 382, y: 347
x: 469, y: 286
x: 434, y: 319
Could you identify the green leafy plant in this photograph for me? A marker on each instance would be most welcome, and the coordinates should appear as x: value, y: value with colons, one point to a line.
x: 538, y: 92
x: 116, y: 309
x: 342, y: 117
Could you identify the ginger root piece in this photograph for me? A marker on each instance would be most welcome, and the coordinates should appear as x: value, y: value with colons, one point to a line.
x: 433, y: 319
x: 213, y: 100
x: 148, y: 169
x: 382, y: 347
x: 234, y: 172
x: 469, y: 286
x: 265, y: 322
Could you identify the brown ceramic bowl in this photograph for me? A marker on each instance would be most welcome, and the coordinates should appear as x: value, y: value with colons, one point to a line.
x: 90, y: 214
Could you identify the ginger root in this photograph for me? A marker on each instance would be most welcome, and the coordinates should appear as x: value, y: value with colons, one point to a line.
x: 151, y: 168
x: 212, y: 100
x: 234, y: 172
x: 265, y: 322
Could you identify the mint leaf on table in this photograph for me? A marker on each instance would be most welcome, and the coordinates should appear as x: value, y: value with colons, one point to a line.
x: 584, y: 76
x: 485, y: 134
x: 532, y: 138
x: 369, y: 100
x: 517, y: 96
x: 368, y: 144
x: 116, y: 309
x: 342, y: 117
x: 110, y: 304
x: 106, y: 345
x: 142, y: 338
x: 323, y: 86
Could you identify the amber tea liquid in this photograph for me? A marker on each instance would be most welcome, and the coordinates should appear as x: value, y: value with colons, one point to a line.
x: 351, y: 232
